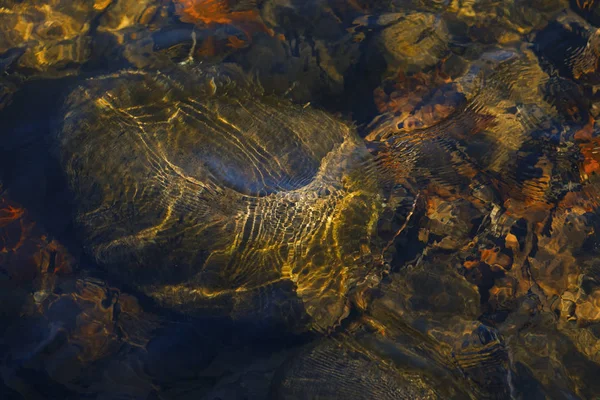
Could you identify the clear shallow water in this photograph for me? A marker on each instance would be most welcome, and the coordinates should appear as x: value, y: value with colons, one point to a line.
x: 298, y: 200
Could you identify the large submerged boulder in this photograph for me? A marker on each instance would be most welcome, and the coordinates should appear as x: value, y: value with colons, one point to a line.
x: 203, y: 192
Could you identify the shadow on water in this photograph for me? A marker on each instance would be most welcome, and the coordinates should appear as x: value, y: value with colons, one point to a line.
x: 29, y: 167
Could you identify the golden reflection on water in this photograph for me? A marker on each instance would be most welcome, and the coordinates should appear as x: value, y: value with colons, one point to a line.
x: 414, y: 183
x: 292, y: 195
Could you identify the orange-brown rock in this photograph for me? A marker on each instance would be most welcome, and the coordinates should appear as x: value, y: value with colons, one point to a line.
x: 26, y: 252
x: 240, y: 14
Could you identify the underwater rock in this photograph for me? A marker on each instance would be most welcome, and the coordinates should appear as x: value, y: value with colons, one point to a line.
x: 414, y: 42
x: 220, y: 199
x: 430, y: 296
x: 313, y: 57
x: 53, y: 33
x: 305, y: 70
x: 468, y: 138
x: 571, y: 47
x: 72, y: 330
x: 419, y: 100
x: 450, y: 223
x: 125, y: 32
x: 547, y: 363
x: 333, y: 370
x: 123, y: 14
x: 27, y: 255
x: 243, y: 15
x: 55, y: 326
x: 483, y: 357
x: 493, y: 22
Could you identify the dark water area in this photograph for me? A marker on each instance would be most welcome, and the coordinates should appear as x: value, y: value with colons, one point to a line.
x: 285, y: 199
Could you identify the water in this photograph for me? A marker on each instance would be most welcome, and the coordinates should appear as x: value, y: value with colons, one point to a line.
x: 322, y: 199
